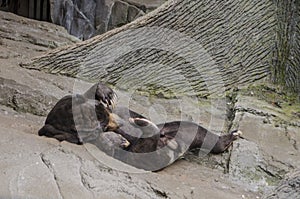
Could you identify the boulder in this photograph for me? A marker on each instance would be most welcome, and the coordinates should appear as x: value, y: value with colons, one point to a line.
x: 289, y: 187
x: 118, y: 15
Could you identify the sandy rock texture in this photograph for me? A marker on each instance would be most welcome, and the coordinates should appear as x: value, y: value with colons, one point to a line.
x: 190, y: 48
x: 39, y: 167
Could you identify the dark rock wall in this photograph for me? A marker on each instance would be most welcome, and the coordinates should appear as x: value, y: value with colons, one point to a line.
x: 86, y: 18
x: 76, y: 16
x: 34, y: 9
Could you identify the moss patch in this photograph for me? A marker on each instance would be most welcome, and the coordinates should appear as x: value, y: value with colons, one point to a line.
x: 276, y: 96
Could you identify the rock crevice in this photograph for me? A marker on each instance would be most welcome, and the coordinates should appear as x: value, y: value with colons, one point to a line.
x: 48, y: 164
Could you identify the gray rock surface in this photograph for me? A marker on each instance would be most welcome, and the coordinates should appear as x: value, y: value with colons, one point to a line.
x: 41, y: 35
x: 41, y: 168
x: 23, y: 98
x: 85, y: 19
x: 252, y: 167
x: 288, y: 188
x: 118, y: 14
x: 270, y: 149
x: 146, y: 5
x: 123, y: 13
